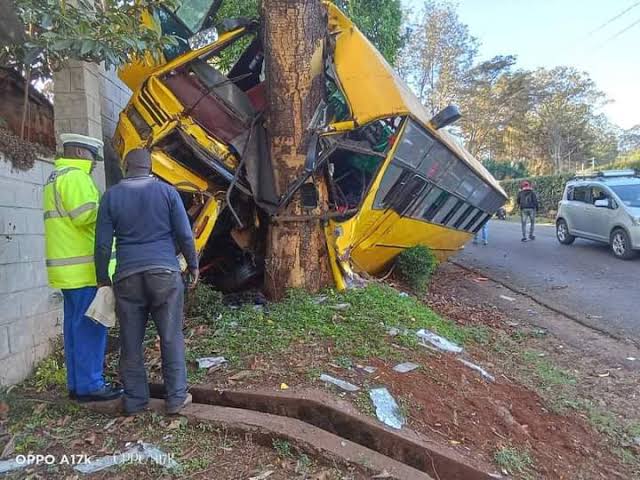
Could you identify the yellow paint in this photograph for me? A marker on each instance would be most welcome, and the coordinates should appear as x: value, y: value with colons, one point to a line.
x: 203, y: 226
x: 174, y: 173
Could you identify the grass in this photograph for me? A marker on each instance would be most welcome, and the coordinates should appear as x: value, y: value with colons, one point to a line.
x: 358, y: 331
x: 514, y: 461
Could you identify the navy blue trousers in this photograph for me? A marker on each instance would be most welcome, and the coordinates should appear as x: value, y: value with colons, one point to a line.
x: 85, y: 342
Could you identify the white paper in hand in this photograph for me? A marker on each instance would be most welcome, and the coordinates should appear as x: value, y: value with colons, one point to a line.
x: 103, y: 307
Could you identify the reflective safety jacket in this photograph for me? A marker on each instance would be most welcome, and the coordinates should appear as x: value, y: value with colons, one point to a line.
x: 70, y: 203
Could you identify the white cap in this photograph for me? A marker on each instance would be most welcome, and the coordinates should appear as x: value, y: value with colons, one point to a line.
x: 92, y: 144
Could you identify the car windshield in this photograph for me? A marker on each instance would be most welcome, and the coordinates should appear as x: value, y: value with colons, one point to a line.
x: 629, y: 194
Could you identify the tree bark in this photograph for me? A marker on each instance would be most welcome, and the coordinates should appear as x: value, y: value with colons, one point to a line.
x: 296, y: 249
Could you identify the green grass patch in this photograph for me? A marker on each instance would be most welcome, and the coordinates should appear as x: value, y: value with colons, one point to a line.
x: 546, y: 373
x: 354, y: 322
x: 514, y: 461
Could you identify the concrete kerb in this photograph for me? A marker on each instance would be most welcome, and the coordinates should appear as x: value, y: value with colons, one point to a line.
x: 321, y: 425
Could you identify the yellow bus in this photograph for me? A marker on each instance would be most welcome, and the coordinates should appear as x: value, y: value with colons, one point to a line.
x: 396, y: 179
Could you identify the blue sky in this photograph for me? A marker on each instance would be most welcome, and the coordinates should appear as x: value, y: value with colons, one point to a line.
x: 546, y: 33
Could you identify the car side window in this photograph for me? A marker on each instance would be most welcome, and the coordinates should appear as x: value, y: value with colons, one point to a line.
x: 598, y: 193
x: 581, y: 194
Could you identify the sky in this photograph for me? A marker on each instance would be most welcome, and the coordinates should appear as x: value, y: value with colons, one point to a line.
x: 547, y: 33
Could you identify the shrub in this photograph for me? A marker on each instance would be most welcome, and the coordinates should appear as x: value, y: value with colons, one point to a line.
x: 416, y: 265
x: 549, y: 189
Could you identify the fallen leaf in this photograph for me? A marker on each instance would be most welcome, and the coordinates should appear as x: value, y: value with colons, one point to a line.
x: 323, y: 475
x: 176, y: 424
x: 110, y: 424
x: 4, y: 410
x: 284, y: 386
x: 9, y: 448
x: 454, y: 442
x: 263, y: 475
x: 90, y: 439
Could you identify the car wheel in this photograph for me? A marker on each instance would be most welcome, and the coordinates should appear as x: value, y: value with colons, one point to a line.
x: 621, y: 245
x: 562, y: 232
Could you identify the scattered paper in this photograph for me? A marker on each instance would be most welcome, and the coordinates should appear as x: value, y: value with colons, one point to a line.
x: 387, y: 410
x: 438, y: 341
x: 341, y: 306
x: 349, y: 387
x: 367, y: 369
x: 208, y: 362
x: 479, y: 369
x: 406, y: 367
x: 139, y: 452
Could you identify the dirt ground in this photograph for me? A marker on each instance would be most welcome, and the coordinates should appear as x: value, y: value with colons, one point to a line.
x: 564, y: 404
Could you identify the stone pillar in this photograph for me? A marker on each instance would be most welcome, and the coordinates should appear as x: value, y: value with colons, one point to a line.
x: 77, y: 105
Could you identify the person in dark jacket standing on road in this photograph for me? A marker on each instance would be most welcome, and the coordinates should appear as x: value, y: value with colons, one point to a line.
x: 528, y: 204
x: 148, y: 220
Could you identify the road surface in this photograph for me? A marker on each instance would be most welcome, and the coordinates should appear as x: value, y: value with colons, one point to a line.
x: 583, y: 279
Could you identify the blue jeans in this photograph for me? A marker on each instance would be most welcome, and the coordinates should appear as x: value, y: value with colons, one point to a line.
x: 484, y: 232
x: 85, y: 342
x: 160, y: 294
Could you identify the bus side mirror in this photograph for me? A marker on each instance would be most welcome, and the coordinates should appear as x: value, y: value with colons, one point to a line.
x: 445, y: 117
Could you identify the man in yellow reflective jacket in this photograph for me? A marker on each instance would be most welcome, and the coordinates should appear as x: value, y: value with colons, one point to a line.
x: 70, y: 201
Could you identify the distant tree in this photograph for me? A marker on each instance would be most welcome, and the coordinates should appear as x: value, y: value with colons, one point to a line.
x: 506, y: 170
x: 438, y: 54
x: 380, y: 21
x: 630, y: 140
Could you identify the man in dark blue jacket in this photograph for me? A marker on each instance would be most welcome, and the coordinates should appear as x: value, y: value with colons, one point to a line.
x: 149, y: 221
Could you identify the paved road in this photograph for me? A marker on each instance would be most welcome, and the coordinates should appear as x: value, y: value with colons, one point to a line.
x: 583, y: 279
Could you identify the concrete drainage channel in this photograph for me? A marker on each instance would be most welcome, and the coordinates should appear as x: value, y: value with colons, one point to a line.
x: 330, y: 428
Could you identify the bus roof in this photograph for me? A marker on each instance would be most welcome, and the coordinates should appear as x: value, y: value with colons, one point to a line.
x: 374, y: 90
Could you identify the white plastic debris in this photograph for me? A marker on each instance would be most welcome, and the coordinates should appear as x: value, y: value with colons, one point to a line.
x: 508, y: 299
x: 341, y: 306
x: 367, y: 369
x: 387, y: 410
x: 138, y: 453
x: 208, y: 362
x: 346, y: 386
x: 404, y: 294
x: 631, y: 359
x: 479, y: 369
x: 13, y: 464
x: 406, y: 367
x: 393, y: 331
x: 438, y: 341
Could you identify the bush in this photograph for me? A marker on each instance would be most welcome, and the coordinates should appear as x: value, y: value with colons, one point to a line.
x: 416, y: 265
x: 549, y: 189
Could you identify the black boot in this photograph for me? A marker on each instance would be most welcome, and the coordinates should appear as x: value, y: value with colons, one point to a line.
x: 105, y: 394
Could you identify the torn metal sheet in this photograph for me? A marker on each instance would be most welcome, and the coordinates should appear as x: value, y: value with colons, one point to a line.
x: 479, y: 369
x: 344, y: 385
x: 437, y: 341
x: 141, y: 452
x: 387, y: 409
x: 406, y: 367
x: 208, y: 362
x: 13, y: 464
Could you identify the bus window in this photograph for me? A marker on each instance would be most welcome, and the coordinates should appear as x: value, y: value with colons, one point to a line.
x: 473, y: 220
x: 480, y: 224
x: 392, y: 182
x: 456, y: 210
x: 446, y: 209
x: 464, y: 216
x: 455, y: 175
x: 411, y: 191
x: 433, y: 209
x: 414, y: 145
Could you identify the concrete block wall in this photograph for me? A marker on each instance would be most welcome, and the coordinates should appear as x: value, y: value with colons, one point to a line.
x: 30, y: 312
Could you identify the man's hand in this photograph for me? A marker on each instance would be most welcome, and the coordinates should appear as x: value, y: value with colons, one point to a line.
x: 192, y: 278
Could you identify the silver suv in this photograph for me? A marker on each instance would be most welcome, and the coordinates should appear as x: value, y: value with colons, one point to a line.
x: 605, y: 207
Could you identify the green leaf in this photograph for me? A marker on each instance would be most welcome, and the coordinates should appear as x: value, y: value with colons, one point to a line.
x: 87, y: 46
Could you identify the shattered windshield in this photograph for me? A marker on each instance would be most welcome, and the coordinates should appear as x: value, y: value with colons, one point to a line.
x: 629, y: 194
x: 193, y: 13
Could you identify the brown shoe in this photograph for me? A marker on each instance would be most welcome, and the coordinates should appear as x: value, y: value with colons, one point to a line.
x: 178, y: 408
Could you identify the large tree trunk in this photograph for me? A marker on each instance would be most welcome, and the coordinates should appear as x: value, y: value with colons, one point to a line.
x: 296, y: 247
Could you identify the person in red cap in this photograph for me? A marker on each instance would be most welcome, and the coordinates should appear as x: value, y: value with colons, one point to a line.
x: 528, y: 203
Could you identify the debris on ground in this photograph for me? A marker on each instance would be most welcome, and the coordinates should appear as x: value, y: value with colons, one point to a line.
x: 437, y: 341
x: 344, y: 385
x: 479, y: 369
x: 263, y: 476
x: 406, y: 367
x: 284, y: 386
x: 341, y: 306
x: 209, y: 362
x: 393, y: 332
x: 508, y: 299
x: 138, y: 453
x: 387, y: 409
x: 367, y: 369
x: 11, y: 465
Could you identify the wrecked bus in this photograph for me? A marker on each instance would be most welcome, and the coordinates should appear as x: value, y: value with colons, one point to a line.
x: 395, y: 178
